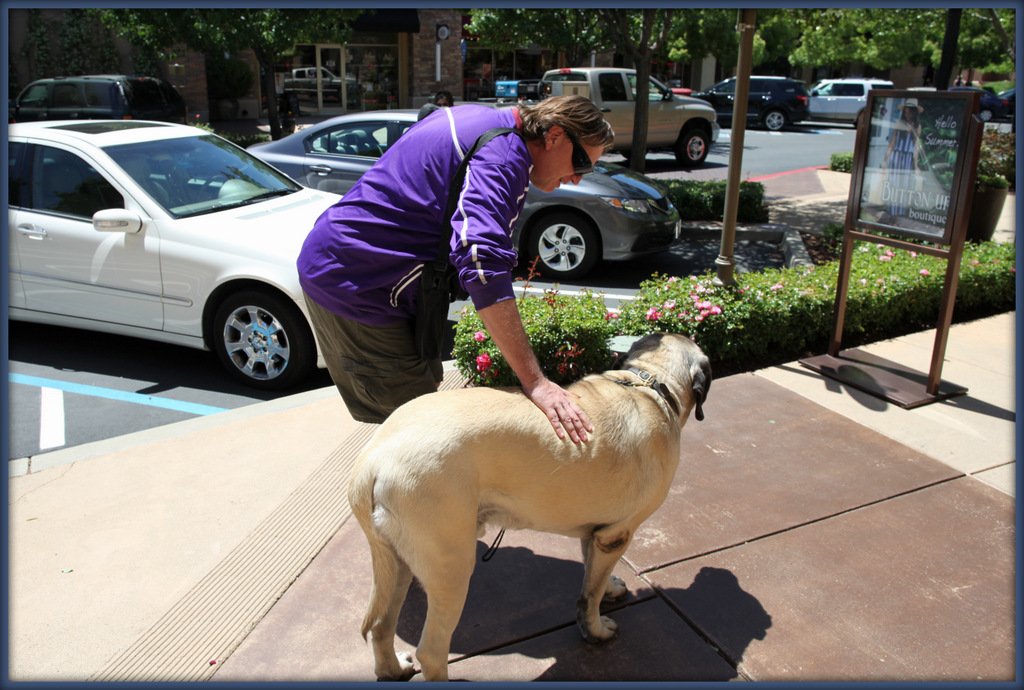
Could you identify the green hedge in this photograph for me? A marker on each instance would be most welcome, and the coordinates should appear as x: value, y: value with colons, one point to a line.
x: 705, y: 200
x: 767, y: 318
x: 841, y: 162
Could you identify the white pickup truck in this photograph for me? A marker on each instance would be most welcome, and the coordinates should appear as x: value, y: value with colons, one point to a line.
x: 685, y: 125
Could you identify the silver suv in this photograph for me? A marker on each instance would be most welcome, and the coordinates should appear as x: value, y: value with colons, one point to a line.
x: 842, y: 100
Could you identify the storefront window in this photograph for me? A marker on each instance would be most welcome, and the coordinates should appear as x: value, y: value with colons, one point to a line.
x: 372, y: 75
x: 364, y: 73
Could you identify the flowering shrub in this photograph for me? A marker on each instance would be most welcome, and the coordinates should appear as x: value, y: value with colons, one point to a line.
x: 770, y: 317
x: 568, y: 334
x: 782, y: 314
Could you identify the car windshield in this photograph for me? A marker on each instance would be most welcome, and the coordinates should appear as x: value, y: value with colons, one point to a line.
x: 196, y: 175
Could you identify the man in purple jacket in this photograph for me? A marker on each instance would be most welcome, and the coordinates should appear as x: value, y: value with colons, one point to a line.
x: 361, y: 263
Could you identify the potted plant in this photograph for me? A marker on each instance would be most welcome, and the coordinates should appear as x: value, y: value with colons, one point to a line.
x: 996, y: 172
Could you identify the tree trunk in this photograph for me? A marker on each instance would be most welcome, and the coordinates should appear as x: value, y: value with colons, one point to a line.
x: 270, y: 91
x: 642, y: 63
x: 949, y: 43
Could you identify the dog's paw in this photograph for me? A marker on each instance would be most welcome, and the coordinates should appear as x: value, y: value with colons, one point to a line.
x: 402, y: 669
x: 616, y: 589
x: 605, y: 630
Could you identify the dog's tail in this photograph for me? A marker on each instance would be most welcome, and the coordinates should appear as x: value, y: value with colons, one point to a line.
x: 386, y: 563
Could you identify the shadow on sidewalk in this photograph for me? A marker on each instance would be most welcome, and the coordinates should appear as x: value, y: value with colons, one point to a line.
x: 518, y: 625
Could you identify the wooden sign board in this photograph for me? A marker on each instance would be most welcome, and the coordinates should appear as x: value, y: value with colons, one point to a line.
x: 914, y: 153
x: 914, y: 166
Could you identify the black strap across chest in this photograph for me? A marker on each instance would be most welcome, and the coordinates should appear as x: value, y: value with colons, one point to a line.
x: 456, y: 188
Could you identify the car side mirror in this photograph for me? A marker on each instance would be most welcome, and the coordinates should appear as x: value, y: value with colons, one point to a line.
x: 814, y: 92
x: 117, y: 220
x: 666, y: 95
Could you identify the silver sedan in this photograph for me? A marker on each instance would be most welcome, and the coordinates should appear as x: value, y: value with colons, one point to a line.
x: 612, y: 214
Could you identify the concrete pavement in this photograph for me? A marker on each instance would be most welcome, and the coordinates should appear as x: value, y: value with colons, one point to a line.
x: 812, y: 533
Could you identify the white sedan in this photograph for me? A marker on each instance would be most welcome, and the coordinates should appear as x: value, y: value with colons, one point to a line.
x: 165, y: 232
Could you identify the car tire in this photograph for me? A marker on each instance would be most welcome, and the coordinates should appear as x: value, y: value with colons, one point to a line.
x: 691, y: 148
x: 263, y: 340
x: 566, y: 242
x: 774, y: 120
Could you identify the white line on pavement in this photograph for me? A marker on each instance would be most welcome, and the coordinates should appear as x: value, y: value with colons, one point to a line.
x: 576, y: 293
x: 51, y: 418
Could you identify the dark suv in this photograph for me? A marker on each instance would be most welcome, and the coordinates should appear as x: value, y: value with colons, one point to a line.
x: 100, y: 96
x: 773, y: 103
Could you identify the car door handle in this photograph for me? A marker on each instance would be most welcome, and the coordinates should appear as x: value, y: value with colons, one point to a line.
x: 606, y: 110
x: 33, y: 232
x: 320, y: 169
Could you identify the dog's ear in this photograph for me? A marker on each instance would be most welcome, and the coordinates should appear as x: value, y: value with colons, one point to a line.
x: 700, y: 385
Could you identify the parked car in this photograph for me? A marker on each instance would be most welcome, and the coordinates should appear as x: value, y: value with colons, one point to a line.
x: 991, y: 107
x: 1009, y: 99
x: 163, y: 232
x: 773, y: 102
x: 613, y: 213
x: 685, y: 126
x: 98, y: 96
x: 842, y: 100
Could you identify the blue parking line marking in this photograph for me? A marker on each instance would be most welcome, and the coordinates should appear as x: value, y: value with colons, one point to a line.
x: 113, y: 394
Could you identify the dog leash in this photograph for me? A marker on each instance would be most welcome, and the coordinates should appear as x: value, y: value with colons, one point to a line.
x: 492, y: 549
x: 647, y: 380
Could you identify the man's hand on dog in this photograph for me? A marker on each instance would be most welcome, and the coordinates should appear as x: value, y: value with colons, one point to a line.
x: 560, y: 407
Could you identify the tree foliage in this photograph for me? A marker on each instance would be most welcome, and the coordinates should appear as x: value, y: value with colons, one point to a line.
x: 270, y: 33
x: 573, y: 32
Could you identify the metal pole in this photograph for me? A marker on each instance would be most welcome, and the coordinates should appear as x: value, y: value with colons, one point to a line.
x: 724, y: 263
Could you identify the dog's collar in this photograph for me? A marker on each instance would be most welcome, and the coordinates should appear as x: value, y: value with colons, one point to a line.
x: 647, y: 380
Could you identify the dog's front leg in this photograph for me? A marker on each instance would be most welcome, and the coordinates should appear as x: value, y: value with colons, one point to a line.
x: 601, y: 551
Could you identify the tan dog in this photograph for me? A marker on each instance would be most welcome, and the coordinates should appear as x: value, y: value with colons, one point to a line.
x: 444, y: 465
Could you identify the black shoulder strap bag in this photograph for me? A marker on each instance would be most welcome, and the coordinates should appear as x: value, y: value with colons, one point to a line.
x: 439, y: 283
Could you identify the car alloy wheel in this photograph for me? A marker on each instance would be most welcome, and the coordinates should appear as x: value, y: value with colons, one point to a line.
x: 263, y: 340
x: 567, y: 245
x: 985, y: 115
x: 774, y: 120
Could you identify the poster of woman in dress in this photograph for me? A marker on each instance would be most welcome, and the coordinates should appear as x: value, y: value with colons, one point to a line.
x: 912, y: 157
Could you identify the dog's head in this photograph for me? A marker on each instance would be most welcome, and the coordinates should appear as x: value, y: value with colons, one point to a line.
x: 678, y: 363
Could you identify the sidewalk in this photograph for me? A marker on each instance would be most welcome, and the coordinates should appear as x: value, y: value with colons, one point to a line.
x: 812, y: 533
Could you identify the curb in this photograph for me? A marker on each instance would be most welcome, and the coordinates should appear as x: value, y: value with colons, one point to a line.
x: 791, y: 242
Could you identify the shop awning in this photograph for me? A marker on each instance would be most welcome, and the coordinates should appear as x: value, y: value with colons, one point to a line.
x: 403, y: 21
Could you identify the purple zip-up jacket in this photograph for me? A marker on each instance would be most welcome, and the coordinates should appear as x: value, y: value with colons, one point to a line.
x: 362, y: 259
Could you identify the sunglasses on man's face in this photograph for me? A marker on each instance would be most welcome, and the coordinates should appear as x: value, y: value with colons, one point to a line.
x: 581, y: 163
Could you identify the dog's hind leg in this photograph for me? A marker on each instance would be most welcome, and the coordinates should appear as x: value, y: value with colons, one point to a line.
x: 446, y: 584
x: 601, y: 551
x: 391, y: 580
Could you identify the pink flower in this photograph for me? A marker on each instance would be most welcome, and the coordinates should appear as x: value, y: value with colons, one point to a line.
x: 913, y: 255
x: 479, y: 336
x: 483, y: 362
x: 611, y: 315
x: 776, y: 287
x: 924, y: 272
x: 885, y: 257
x: 669, y: 305
x: 653, y: 314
